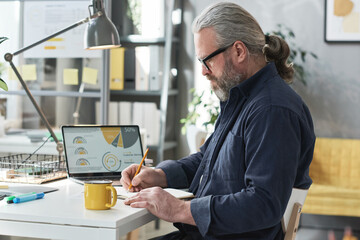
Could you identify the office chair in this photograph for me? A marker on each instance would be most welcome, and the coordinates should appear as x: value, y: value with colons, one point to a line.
x: 290, y: 220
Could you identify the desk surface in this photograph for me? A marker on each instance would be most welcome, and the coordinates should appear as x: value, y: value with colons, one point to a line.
x: 62, y: 215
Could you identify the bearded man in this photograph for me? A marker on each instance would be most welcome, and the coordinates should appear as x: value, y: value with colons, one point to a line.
x: 261, y: 148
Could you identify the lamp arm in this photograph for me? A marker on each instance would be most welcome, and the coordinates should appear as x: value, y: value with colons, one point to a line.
x: 8, y: 57
x: 85, y: 20
x: 59, y: 145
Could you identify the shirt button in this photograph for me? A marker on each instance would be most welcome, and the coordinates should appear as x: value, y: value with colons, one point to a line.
x: 201, y: 179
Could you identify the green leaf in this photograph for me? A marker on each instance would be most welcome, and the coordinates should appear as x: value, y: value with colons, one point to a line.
x: 303, y: 54
x: 314, y: 55
x: 3, y: 39
x: 3, y: 85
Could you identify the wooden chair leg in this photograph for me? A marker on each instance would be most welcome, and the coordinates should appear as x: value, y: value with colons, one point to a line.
x: 133, y: 235
x: 293, y: 222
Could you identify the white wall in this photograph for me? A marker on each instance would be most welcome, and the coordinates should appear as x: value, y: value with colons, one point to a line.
x: 10, y: 28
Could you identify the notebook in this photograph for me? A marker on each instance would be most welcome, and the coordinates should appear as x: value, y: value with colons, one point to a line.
x: 178, y: 193
x: 94, y: 152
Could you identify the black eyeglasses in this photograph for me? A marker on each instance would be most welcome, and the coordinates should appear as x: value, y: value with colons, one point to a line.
x: 213, y: 54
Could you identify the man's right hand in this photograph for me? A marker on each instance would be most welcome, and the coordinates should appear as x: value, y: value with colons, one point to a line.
x: 147, y: 177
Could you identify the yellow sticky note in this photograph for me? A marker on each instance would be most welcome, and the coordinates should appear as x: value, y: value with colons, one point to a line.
x: 70, y: 76
x: 89, y: 75
x: 11, y: 73
x: 28, y: 72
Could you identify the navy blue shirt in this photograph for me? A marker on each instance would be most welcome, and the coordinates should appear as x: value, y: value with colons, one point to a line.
x: 243, y: 176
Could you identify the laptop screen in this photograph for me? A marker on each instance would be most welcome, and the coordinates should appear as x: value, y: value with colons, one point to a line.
x: 101, y: 150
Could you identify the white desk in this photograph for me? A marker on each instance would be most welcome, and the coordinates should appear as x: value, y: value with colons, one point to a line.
x: 62, y: 215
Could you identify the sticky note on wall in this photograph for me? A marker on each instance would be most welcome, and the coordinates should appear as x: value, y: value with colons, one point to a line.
x: 89, y: 75
x: 28, y: 72
x: 11, y: 73
x: 70, y: 76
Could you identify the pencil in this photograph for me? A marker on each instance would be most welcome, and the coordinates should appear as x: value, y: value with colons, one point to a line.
x: 138, y: 169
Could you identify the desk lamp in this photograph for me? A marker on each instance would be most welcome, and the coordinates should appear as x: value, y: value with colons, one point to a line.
x: 100, y: 33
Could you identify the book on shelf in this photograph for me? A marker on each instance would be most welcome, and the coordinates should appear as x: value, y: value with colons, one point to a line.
x: 142, y: 55
x: 117, y: 68
x: 156, y: 67
x: 147, y: 116
x: 129, y: 66
x: 125, y: 113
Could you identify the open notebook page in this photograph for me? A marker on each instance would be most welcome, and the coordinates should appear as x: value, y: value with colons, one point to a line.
x: 181, y: 194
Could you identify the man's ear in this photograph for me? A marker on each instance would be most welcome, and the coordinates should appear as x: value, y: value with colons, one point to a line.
x: 241, y: 51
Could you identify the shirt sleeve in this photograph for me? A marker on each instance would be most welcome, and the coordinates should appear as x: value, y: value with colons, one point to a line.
x: 272, y: 154
x: 179, y: 173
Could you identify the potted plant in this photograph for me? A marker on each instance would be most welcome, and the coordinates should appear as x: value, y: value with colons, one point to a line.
x: 198, y: 106
x: 3, y: 84
x: 201, y: 104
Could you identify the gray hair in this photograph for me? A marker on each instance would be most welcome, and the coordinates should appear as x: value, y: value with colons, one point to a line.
x: 232, y: 22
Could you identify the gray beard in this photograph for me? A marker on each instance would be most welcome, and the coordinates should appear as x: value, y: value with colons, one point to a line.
x: 226, y: 81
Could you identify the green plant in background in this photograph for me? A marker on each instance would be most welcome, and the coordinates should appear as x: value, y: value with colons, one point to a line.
x: 3, y: 84
x: 199, y: 105
x: 134, y: 13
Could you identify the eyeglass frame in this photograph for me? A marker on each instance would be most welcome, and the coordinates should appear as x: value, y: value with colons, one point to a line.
x: 213, y: 54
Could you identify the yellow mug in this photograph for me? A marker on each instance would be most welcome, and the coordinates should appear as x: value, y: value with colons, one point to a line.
x: 98, y: 193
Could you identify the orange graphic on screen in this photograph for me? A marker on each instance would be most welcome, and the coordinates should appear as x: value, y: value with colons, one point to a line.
x: 113, y: 136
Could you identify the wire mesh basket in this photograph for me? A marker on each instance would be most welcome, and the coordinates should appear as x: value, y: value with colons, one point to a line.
x: 32, y: 168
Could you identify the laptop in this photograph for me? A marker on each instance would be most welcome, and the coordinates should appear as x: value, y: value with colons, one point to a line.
x: 94, y: 152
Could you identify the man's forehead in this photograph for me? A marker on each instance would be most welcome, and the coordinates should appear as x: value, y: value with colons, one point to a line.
x: 205, y: 42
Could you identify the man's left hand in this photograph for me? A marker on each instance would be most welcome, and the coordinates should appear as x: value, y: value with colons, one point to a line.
x: 163, y: 205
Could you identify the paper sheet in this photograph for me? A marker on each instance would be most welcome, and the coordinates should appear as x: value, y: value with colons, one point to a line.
x: 181, y: 194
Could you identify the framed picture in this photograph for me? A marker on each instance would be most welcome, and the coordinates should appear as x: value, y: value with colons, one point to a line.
x: 342, y: 21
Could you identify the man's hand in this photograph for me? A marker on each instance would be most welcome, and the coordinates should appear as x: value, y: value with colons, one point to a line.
x: 147, y: 177
x: 163, y: 205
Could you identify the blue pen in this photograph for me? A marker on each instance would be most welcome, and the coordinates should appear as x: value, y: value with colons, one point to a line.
x: 28, y: 198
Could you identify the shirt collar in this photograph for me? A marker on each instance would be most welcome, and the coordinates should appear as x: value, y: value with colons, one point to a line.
x: 252, y: 84
x: 255, y: 82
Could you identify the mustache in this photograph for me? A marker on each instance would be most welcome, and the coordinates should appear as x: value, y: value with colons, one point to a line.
x: 211, y: 78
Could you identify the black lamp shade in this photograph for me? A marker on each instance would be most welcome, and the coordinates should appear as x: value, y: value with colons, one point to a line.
x: 101, y: 33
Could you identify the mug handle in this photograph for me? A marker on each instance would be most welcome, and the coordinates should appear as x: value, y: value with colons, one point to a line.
x: 114, y: 195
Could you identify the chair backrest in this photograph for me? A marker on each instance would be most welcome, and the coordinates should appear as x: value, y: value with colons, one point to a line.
x: 195, y: 138
x: 290, y: 220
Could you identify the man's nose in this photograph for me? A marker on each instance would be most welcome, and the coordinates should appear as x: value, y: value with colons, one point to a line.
x: 204, y: 70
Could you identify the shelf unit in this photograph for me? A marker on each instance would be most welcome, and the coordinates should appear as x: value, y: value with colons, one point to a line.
x: 160, y: 97
x: 101, y: 93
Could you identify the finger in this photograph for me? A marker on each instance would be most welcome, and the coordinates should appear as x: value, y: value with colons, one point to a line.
x: 136, y: 181
x: 142, y: 204
x: 131, y: 199
x: 127, y: 175
x: 125, y: 178
x: 136, y: 189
